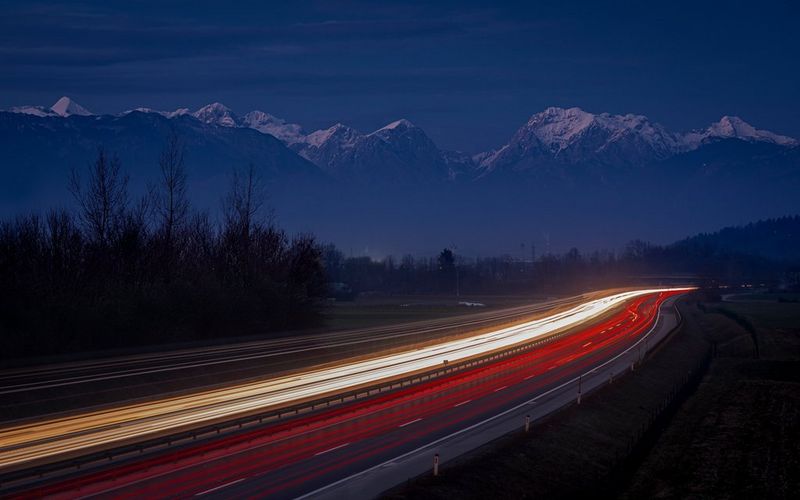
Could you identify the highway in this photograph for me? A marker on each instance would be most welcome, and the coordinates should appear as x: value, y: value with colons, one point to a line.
x: 295, y: 457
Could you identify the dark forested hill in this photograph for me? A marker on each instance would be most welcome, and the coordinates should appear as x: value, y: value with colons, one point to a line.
x: 776, y: 239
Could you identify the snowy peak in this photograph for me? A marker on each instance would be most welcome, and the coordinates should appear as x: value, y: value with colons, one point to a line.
x: 396, y: 153
x: 221, y: 115
x: 558, y: 128
x: 574, y: 136
x: 67, y: 107
x: 166, y: 114
x: 290, y: 133
x: 341, y: 134
x: 401, y: 124
x: 409, y: 142
x: 555, y: 128
x: 217, y: 114
x: 733, y: 127
x: 33, y: 110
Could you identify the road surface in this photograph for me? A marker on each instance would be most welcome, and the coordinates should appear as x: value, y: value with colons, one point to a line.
x: 334, y: 452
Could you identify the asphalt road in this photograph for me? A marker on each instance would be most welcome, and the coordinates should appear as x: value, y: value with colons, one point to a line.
x: 333, y: 454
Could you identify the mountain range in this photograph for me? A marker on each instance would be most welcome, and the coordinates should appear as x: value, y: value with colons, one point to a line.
x: 563, y: 167
x: 553, y: 136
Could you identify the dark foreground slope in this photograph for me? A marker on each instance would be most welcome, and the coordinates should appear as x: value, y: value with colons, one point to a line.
x: 737, y: 437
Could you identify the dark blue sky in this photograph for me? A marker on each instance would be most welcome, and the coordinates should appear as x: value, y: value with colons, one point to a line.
x: 469, y: 73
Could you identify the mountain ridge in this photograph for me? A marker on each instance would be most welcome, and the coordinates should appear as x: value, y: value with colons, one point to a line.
x: 553, y: 136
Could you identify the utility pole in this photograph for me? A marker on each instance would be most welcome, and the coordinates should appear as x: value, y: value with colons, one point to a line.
x: 458, y: 276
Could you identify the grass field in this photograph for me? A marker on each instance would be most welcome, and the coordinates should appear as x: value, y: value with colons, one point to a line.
x: 367, y: 312
x: 766, y: 297
x: 738, y: 436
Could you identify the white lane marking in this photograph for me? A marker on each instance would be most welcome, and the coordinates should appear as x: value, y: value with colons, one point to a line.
x: 331, y: 449
x: 529, y: 376
x: 587, y: 344
x: 462, y: 403
x: 399, y: 458
x: 552, y: 367
x: 220, y: 487
x: 409, y: 423
x: 500, y: 388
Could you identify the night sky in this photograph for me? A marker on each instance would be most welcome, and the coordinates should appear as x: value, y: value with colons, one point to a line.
x: 469, y: 73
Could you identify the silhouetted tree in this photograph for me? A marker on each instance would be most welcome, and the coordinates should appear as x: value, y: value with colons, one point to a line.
x: 447, y: 260
x: 172, y: 203
x: 103, y: 199
x: 243, y: 202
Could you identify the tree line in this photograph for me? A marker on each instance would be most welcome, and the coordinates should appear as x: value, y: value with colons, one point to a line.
x: 571, y: 272
x: 118, y: 271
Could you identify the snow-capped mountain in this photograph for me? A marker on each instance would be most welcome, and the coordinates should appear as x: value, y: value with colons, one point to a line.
x: 551, y: 141
x: 571, y: 136
x: 218, y: 114
x: 166, y: 114
x: 63, y: 107
x: 67, y: 107
x: 339, y: 135
x: 346, y: 153
x: 561, y: 137
x: 397, y: 152
x: 733, y: 127
x: 289, y: 133
x: 39, y: 151
x: 33, y: 110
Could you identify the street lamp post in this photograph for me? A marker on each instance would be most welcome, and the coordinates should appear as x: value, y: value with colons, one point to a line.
x: 458, y: 283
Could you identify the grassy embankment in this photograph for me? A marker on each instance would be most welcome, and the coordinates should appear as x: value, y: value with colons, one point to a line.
x: 738, y: 436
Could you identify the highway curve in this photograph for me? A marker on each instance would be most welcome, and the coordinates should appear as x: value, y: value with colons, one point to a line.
x: 299, y: 455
